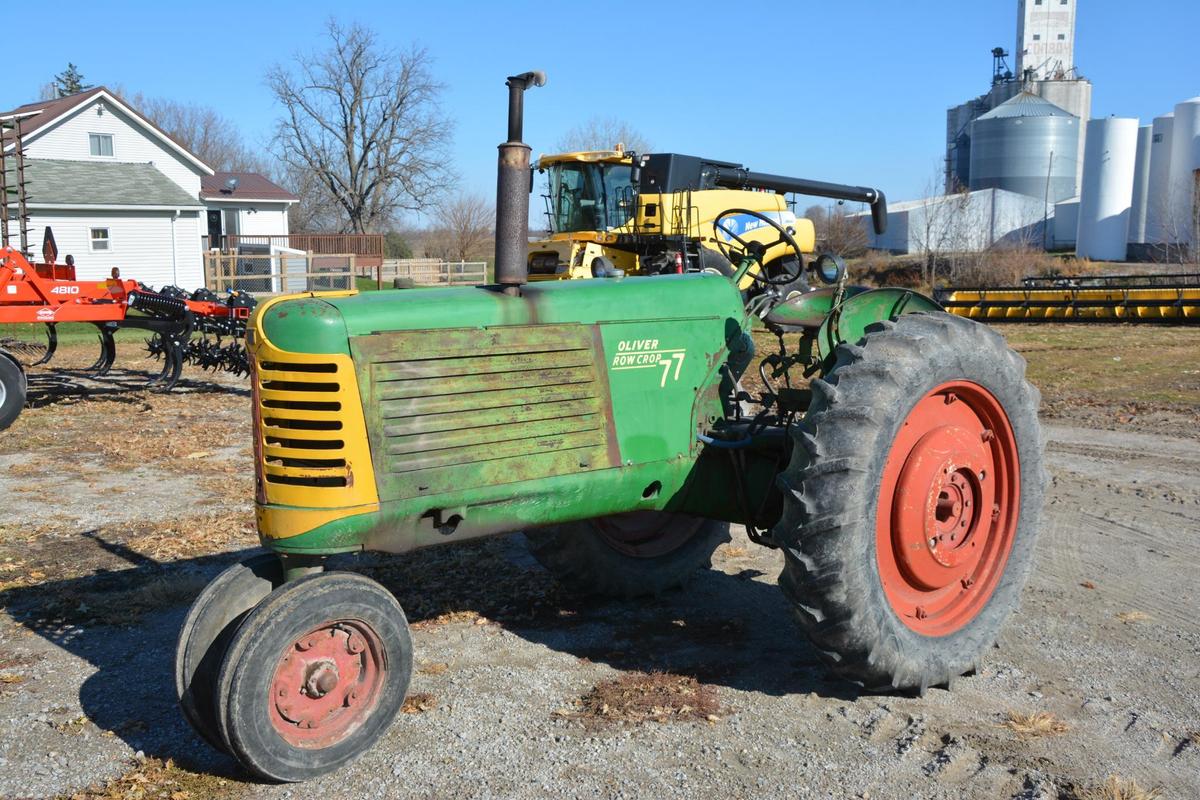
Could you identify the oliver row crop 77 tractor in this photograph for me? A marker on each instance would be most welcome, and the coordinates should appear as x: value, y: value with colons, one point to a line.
x: 604, y: 418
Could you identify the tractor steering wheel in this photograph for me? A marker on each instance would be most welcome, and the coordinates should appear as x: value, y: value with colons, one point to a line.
x: 757, y: 250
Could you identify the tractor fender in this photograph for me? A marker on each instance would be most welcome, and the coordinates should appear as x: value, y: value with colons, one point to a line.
x: 848, y: 321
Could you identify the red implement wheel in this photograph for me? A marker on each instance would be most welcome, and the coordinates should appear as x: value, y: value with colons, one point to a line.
x: 628, y: 555
x: 314, y: 676
x: 947, y: 513
x: 913, y: 501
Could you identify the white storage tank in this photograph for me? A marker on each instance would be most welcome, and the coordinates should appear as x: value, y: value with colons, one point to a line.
x: 1108, y: 164
x: 1185, y: 160
x: 1159, y: 190
x: 1141, y: 186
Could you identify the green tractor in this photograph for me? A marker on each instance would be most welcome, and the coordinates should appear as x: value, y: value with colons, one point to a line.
x: 894, y: 460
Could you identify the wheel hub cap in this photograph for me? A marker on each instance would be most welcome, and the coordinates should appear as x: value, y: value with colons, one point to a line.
x: 327, y: 683
x: 947, y: 509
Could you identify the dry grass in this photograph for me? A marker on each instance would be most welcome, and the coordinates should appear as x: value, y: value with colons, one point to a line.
x: 433, y: 668
x: 155, y: 778
x: 1095, y: 368
x: 1039, y: 723
x: 1118, y: 788
x: 418, y: 703
x: 1129, y: 617
x: 639, y: 697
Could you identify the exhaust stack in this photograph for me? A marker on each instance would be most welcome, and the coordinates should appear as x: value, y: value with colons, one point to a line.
x: 512, y: 190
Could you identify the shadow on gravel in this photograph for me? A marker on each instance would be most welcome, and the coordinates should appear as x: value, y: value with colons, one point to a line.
x: 67, y: 387
x: 725, y: 630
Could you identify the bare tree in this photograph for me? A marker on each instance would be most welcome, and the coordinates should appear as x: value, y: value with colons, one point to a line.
x: 201, y: 130
x: 838, y: 231
x: 314, y: 210
x: 365, y: 120
x: 603, y: 133
x: 469, y: 221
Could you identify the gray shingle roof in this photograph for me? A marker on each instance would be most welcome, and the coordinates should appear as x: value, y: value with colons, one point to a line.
x: 100, y: 183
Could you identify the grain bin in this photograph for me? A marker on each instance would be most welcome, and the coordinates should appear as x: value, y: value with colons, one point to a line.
x: 1026, y: 145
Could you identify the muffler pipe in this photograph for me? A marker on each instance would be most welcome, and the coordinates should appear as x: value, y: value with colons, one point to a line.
x: 512, y: 190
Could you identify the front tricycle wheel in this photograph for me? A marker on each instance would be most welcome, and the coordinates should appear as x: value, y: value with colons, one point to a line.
x: 913, y: 501
x: 314, y: 676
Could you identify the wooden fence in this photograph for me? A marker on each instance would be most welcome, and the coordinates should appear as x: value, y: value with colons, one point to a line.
x: 280, y: 273
x: 367, y: 247
x: 427, y: 272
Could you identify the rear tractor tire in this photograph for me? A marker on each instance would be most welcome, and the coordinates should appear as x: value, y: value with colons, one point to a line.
x: 913, y: 501
x: 628, y: 555
x: 313, y: 676
x: 12, y: 390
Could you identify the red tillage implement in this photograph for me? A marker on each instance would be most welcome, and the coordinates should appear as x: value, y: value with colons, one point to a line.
x: 49, y: 293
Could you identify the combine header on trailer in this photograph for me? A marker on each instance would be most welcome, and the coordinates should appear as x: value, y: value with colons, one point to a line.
x: 1173, y: 298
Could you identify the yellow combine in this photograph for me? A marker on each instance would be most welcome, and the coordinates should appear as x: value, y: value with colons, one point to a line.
x: 1115, y: 298
x: 652, y: 214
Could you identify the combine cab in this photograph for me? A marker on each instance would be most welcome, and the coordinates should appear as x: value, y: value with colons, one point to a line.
x: 894, y: 459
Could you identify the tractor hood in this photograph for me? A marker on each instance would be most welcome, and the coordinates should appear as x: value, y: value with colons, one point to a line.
x: 323, y: 323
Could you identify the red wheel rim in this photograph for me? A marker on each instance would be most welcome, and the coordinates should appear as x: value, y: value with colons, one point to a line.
x: 646, y: 534
x: 327, y: 683
x: 948, y: 507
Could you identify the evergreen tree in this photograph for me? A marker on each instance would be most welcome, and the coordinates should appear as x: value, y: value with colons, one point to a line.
x: 70, y: 81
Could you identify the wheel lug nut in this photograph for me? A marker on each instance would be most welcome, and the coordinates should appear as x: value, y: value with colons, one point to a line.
x: 921, y: 613
x: 968, y: 582
x: 987, y: 435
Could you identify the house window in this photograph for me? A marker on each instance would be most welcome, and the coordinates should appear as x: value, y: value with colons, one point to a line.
x: 99, y: 239
x: 1037, y: 37
x: 1062, y: 37
x: 101, y: 144
x: 1037, y: 2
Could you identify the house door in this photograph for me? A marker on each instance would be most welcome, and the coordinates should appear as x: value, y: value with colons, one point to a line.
x: 214, y: 228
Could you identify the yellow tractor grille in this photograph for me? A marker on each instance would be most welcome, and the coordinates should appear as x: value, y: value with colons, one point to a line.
x: 303, y: 443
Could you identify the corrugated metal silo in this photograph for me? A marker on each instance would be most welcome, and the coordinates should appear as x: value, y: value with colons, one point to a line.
x: 1108, y: 164
x: 1141, y: 186
x: 1185, y: 160
x: 1159, y: 191
x: 1026, y: 145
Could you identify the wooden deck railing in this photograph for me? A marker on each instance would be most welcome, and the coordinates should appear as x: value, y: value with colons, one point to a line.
x: 368, y: 247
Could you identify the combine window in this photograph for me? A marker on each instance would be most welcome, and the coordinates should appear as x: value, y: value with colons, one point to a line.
x: 589, y: 197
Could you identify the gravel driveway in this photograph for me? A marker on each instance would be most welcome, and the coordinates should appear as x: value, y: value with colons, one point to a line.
x: 1107, y: 642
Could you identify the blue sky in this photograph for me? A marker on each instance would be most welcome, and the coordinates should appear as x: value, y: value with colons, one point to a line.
x: 847, y: 91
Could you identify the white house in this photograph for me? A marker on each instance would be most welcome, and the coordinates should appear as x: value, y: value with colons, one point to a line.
x: 119, y: 192
x: 243, y: 206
